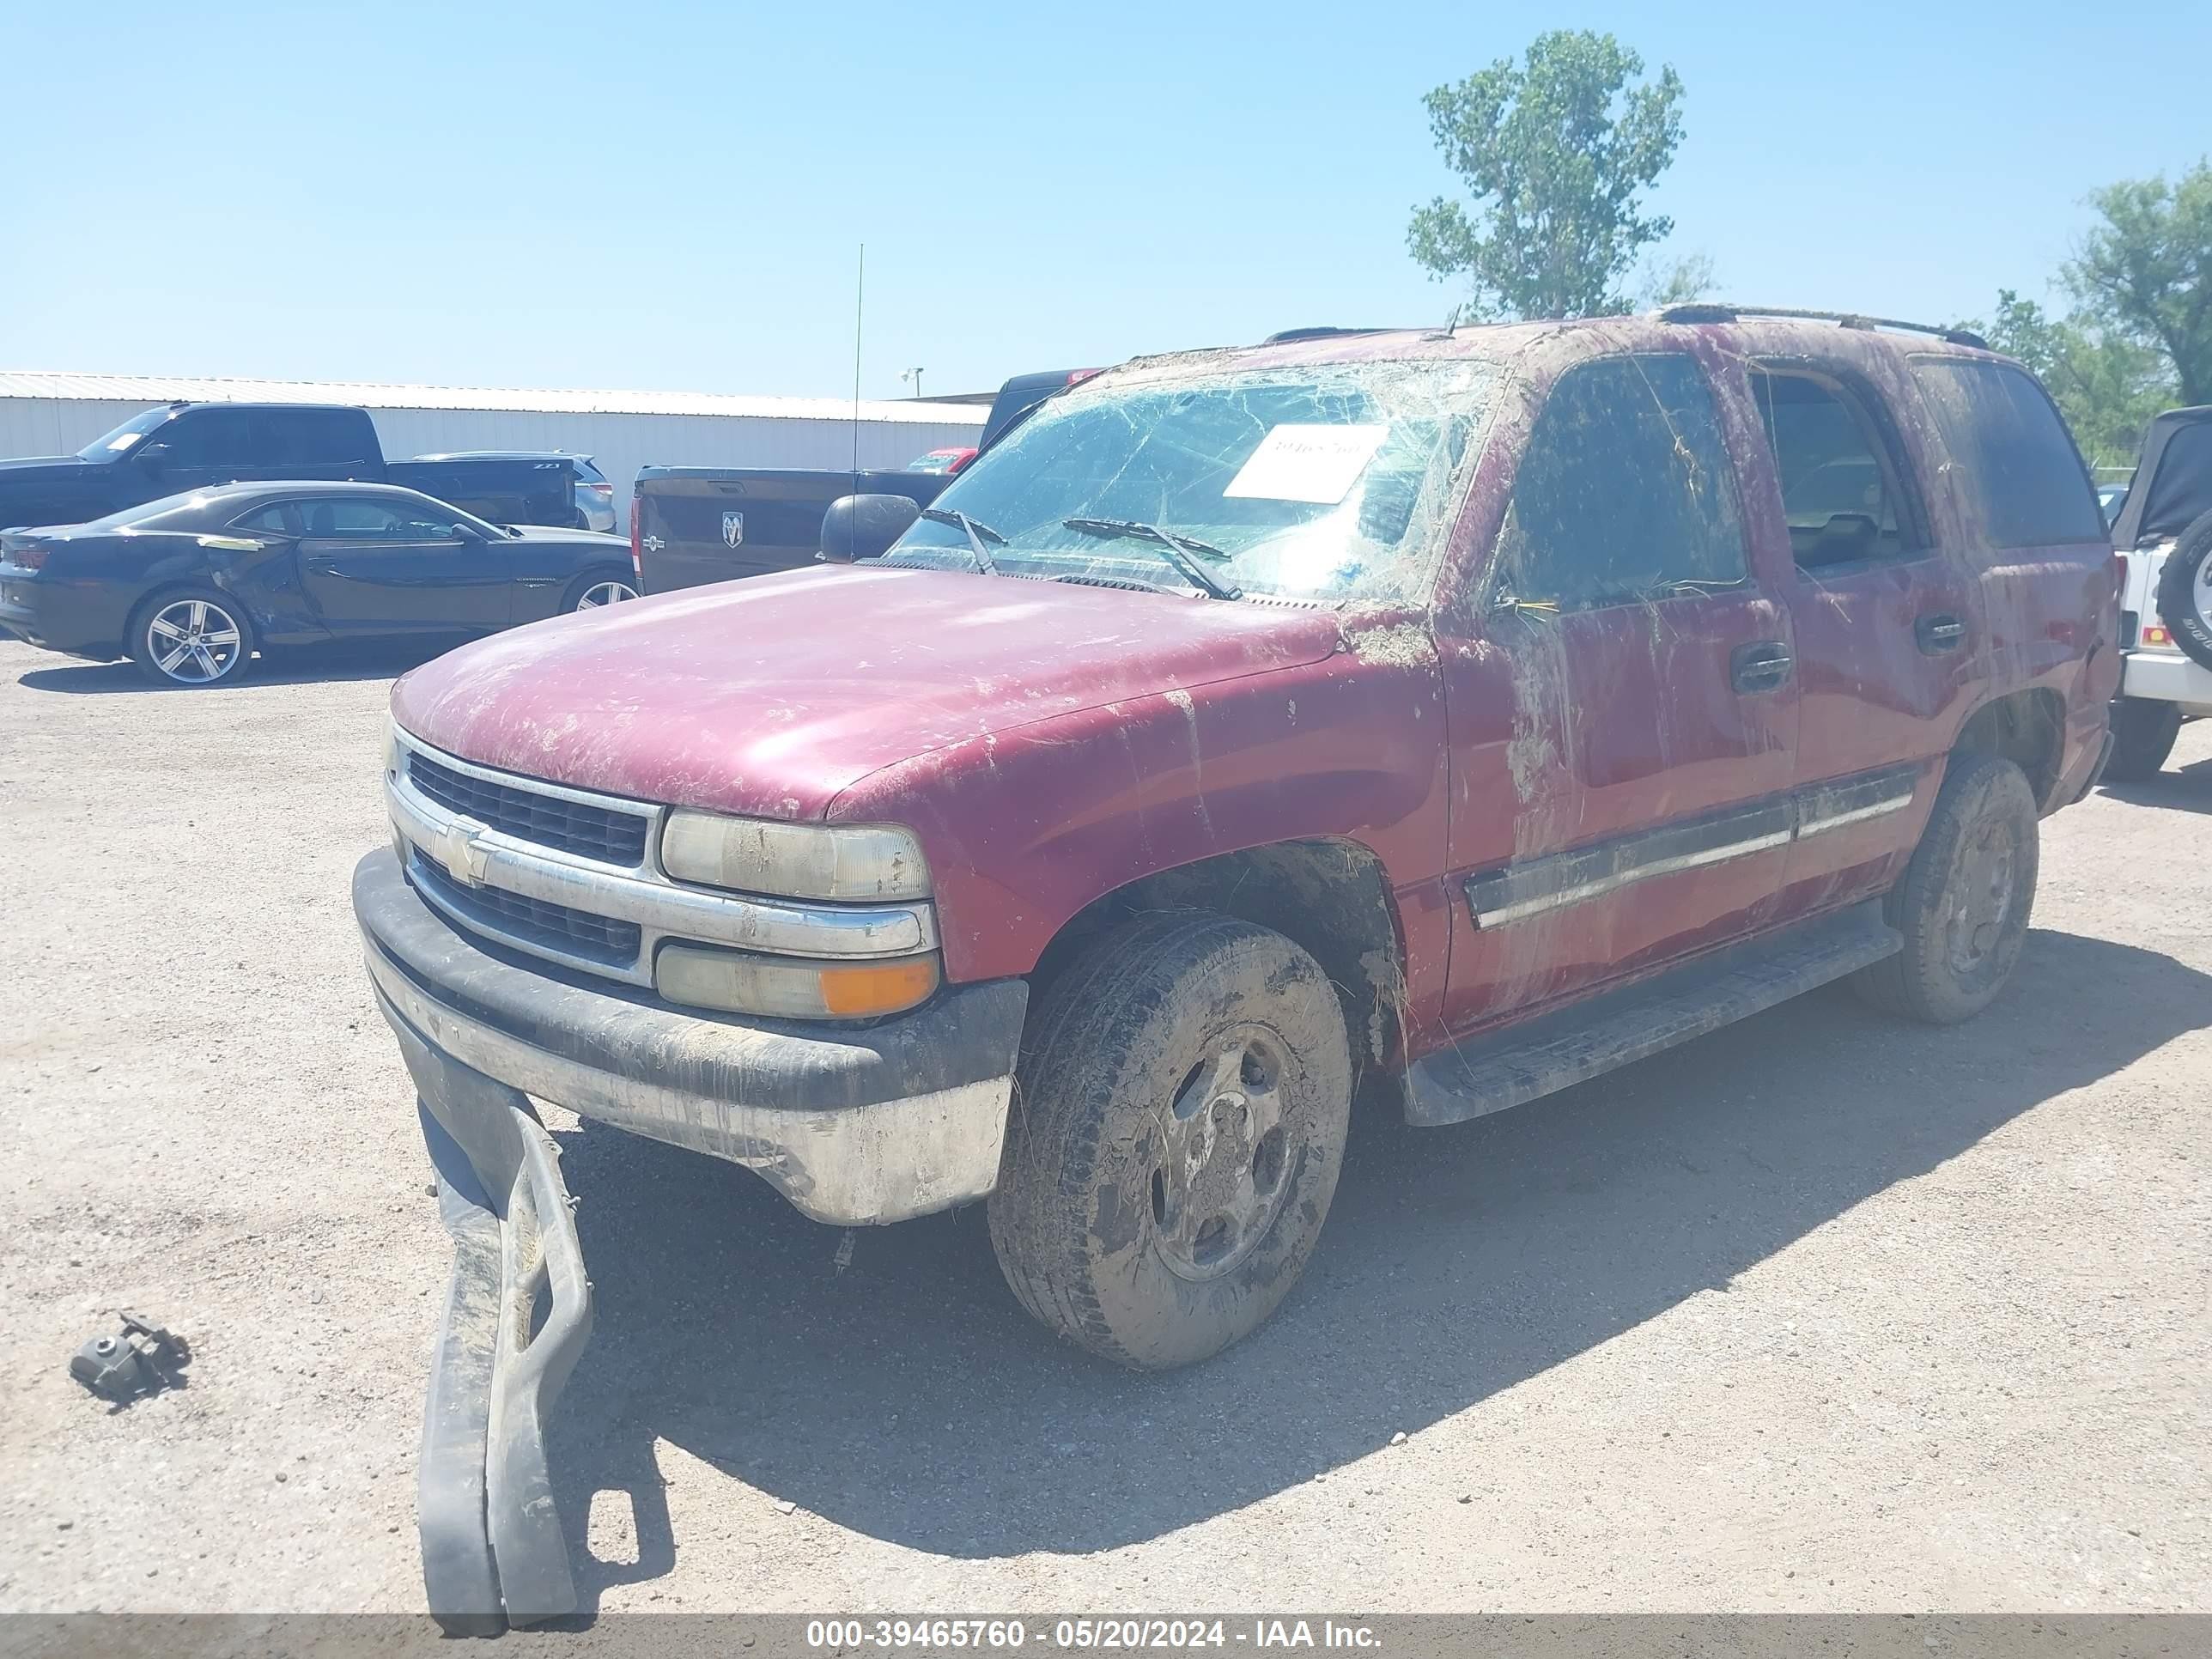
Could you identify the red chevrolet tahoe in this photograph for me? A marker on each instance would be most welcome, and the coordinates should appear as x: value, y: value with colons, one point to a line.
x: 1431, y: 720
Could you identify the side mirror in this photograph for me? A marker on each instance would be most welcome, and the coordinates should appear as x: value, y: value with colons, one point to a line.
x: 467, y: 532
x: 863, y: 526
x: 153, y: 457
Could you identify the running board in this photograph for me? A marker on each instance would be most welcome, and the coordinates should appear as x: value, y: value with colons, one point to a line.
x: 1555, y: 1051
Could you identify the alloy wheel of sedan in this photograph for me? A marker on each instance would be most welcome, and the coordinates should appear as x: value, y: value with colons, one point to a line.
x: 194, y: 642
x: 607, y: 592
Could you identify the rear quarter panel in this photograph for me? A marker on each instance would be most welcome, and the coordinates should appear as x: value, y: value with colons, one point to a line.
x: 90, y: 589
x: 2049, y: 616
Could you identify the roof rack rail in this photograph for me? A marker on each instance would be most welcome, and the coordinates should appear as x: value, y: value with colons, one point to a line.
x: 1290, y: 335
x: 1710, y: 310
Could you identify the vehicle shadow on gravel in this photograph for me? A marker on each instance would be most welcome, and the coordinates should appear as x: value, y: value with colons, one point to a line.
x: 363, y: 660
x: 2184, y: 789
x: 907, y: 1397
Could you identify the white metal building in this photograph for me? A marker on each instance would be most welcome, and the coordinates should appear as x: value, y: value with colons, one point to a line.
x: 56, y: 414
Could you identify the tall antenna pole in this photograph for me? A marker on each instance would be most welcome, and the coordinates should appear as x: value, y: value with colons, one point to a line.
x: 859, y: 300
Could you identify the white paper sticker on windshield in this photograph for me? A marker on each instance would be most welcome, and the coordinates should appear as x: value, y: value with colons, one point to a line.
x: 1308, y: 462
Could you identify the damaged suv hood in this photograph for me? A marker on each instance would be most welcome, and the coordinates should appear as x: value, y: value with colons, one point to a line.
x: 770, y: 695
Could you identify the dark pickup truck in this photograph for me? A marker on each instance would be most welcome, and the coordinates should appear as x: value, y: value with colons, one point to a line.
x: 174, y: 447
x: 691, y: 525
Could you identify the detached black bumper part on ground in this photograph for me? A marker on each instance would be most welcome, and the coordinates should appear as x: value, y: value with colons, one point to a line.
x: 492, y: 1553
x: 852, y: 1124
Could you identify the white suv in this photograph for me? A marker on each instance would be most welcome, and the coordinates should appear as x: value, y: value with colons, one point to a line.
x: 2165, y: 531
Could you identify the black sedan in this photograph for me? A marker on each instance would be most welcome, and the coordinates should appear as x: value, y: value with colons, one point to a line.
x: 190, y: 585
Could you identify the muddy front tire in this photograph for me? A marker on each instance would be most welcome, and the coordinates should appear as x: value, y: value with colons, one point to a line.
x: 1180, y: 1115
x: 1963, y: 904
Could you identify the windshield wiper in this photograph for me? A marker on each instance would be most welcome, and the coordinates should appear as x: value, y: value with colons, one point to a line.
x: 976, y: 534
x: 1181, y: 552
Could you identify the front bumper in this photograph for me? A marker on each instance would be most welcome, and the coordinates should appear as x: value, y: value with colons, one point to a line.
x: 852, y: 1124
x: 869, y: 1125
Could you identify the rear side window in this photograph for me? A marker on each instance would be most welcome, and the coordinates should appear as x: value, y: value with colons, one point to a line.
x: 2012, y: 458
x: 1844, y: 495
x: 587, y: 472
x: 1625, y: 492
x: 355, y: 519
x: 278, y: 518
x: 318, y: 437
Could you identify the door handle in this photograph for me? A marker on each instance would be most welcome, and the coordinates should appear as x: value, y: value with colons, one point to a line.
x: 1937, y: 632
x: 1762, y: 666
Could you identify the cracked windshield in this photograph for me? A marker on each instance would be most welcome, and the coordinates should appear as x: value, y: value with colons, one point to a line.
x: 1318, y: 483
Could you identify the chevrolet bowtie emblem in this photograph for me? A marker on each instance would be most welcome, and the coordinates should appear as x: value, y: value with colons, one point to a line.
x: 463, y: 852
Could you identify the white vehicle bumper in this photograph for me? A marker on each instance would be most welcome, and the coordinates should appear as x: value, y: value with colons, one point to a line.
x: 2167, y: 676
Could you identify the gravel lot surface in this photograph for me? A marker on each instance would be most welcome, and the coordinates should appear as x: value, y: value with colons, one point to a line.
x: 1823, y: 1312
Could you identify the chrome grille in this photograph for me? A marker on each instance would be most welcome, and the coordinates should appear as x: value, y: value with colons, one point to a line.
x: 553, y: 926
x: 568, y: 826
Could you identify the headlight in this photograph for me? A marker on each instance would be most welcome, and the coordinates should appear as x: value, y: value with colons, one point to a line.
x: 793, y: 861
x: 792, y: 989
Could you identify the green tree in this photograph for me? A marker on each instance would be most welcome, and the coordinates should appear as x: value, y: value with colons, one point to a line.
x: 1691, y: 277
x: 1556, y: 152
x: 2145, y: 274
x: 2106, y: 385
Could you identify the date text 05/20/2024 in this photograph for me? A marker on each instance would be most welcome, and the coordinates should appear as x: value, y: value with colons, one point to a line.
x: 1139, y: 1634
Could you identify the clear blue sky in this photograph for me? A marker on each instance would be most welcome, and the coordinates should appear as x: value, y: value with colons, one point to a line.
x: 642, y: 195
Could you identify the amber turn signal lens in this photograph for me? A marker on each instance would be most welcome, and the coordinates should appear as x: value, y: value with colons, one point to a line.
x: 878, y: 987
x: 793, y: 987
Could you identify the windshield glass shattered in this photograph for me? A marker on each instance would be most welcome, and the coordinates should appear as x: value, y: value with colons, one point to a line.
x: 1323, y: 482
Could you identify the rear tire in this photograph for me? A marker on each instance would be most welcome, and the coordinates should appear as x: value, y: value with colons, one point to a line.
x: 191, y: 637
x: 1180, y: 1113
x: 2184, y: 591
x: 1964, y: 902
x: 2142, y: 737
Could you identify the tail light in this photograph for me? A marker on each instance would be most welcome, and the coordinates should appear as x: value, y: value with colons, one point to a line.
x: 637, y: 549
x: 2119, y: 574
x: 31, y: 557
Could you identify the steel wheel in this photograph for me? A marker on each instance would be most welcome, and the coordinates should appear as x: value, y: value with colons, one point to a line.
x: 194, y: 642
x: 1181, y: 1106
x: 1983, y: 883
x: 1219, y: 1179
x: 1962, y: 907
x: 606, y: 592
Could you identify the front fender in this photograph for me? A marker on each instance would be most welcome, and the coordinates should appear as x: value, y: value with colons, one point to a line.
x: 1023, y: 828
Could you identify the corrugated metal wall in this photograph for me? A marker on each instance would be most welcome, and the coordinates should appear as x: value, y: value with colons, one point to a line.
x: 620, y: 443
